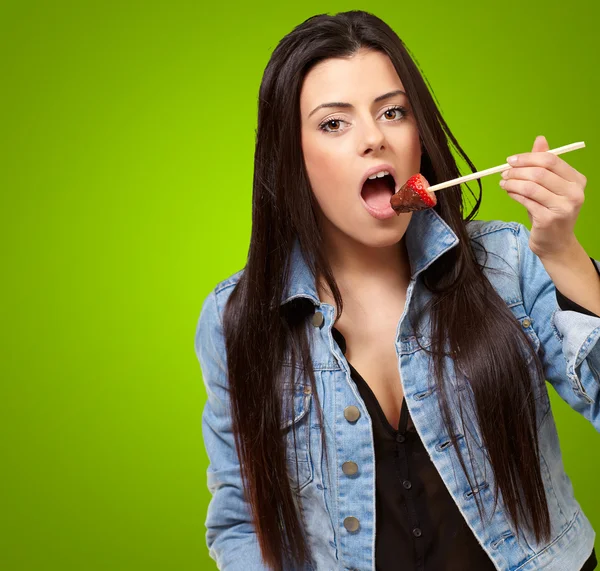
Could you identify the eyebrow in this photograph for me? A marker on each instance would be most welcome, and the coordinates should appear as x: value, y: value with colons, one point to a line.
x: 350, y: 106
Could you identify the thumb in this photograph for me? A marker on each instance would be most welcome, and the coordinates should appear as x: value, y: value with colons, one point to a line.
x: 540, y: 144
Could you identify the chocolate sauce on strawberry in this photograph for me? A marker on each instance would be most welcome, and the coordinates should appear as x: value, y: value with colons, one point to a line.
x: 413, y: 195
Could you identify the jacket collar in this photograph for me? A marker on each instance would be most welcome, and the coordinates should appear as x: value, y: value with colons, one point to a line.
x: 427, y: 238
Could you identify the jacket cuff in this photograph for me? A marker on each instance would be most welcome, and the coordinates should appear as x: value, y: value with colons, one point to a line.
x: 580, y: 336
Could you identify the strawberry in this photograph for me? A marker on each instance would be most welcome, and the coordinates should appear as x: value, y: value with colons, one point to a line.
x: 413, y: 195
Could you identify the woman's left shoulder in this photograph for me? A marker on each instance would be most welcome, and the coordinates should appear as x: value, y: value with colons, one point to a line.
x: 504, y: 240
x: 481, y: 228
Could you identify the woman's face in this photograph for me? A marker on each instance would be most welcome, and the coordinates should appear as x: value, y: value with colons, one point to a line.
x: 341, y: 143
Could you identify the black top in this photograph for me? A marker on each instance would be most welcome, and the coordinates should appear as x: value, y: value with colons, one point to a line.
x: 417, y: 522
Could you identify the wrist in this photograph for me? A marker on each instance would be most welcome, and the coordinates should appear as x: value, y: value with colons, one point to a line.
x: 570, y: 251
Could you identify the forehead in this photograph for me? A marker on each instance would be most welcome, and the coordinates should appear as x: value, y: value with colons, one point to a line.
x: 363, y: 76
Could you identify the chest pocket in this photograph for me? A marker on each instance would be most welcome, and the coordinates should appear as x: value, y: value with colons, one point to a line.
x: 295, y: 426
x: 540, y: 391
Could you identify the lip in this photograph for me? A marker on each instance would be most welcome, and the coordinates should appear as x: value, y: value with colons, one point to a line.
x: 388, y: 211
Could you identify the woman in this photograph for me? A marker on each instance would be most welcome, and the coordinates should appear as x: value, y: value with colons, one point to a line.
x: 413, y: 429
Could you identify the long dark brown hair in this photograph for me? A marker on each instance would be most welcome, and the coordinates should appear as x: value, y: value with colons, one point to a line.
x: 466, y: 312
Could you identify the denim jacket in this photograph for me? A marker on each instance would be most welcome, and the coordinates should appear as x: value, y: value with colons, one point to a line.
x: 567, y: 342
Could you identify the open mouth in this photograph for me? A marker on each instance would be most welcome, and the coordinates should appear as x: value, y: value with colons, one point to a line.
x: 377, y: 192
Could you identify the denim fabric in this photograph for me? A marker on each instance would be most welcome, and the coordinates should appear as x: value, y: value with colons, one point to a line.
x: 567, y: 342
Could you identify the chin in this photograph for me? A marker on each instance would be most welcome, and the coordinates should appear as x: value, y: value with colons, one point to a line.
x: 380, y: 237
x: 364, y: 229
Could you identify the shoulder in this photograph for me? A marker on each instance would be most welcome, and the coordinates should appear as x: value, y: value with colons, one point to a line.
x: 484, y: 228
x: 210, y: 321
x: 501, y: 248
x: 508, y: 240
x: 223, y: 289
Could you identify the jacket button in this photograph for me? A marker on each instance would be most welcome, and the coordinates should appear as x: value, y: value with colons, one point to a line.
x: 526, y: 322
x: 349, y: 468
x: 351, y: 413
x: 317, y: 319
x: 351, y: 524
x: 417, y: 532
x: 407, y: 484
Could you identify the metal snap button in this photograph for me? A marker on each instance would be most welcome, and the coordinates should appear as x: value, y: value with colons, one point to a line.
x: 351, y: 413
x: 526, y: 322
x: 351, y: 524
x: 317, y: 319
x: 349, y: 468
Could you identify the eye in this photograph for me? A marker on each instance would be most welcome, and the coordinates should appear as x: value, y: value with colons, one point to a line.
x: 402, y: 112
x: 327, y: 123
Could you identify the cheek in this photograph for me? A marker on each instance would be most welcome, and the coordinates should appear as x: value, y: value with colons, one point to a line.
x: 408, y: 149
x: 331, y: 183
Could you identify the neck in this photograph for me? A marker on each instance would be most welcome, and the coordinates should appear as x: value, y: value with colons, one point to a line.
x: 364, y: 271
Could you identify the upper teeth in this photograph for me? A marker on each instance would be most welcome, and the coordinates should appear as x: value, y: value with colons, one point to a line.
x: 379, y: 174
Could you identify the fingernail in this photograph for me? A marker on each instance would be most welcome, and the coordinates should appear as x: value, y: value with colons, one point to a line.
x: 504, y: 174
x: 512, y: 160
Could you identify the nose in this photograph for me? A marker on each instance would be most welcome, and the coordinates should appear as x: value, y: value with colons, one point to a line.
x: 373, y: 139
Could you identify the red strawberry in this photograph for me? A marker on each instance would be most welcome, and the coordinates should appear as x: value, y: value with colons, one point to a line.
x: 413, y: 195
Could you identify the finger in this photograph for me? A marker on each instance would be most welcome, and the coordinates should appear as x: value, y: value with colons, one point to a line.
x: 548, y: 161
x: 543, y: 177
x: 534, y: 210
x: 534, y: 192
x: 540, y: 145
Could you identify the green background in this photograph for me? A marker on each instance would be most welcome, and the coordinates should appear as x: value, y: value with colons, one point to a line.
x: 127, y: 138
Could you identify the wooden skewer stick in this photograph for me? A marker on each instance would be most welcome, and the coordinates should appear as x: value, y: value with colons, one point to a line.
x: 500, y: 168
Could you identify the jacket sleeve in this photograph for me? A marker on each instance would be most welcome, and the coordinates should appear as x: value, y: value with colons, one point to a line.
x: 230, y: 534
x: 570, y: 339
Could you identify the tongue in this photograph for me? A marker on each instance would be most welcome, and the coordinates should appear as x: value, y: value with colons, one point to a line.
x: 376, y: 193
